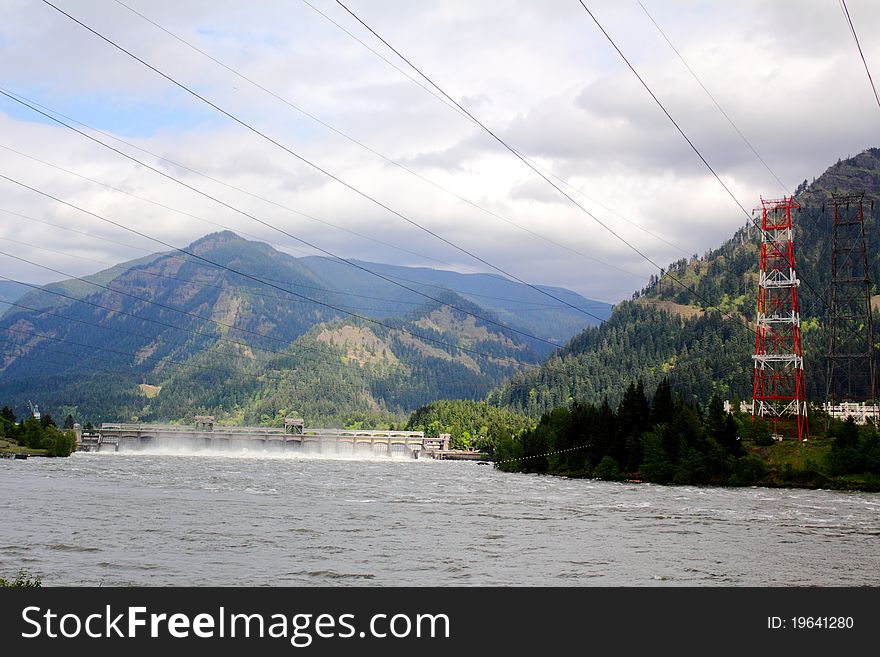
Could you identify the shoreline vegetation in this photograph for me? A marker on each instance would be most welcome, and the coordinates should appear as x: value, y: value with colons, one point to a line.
x: 35, y: 437
x: 666, y: 440
x: 23, y: 580
x: 671, y: 441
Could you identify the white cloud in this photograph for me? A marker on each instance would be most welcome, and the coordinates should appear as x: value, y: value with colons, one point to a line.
x: 539, y: 74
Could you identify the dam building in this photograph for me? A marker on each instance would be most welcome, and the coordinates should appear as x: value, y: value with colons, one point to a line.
x: 205, y: 434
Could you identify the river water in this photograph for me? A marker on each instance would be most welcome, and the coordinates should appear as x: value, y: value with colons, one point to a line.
x: 152, y: 519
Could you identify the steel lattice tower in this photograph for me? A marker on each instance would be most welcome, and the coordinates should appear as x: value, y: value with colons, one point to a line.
x: 851, y: 372
x: 779, y: 394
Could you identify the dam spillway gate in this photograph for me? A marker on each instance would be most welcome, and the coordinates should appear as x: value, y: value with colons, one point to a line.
x: 292, y: 437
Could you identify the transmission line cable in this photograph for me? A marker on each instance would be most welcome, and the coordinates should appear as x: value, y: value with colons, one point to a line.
x: 814, y: 220
x: 371, y: 150
x: 203, y: 284
x: 262, y: 281
x: 298, y: 212
x: 315, y: 166
x: 733, y: 125
x: 235, y: 188
x: 459, y: 111
x: 519, y: 156
x: 684, y: 135
x: 262, y: 222
x: 855, y: 37
x: 202, y: 219
x: 117, y: 266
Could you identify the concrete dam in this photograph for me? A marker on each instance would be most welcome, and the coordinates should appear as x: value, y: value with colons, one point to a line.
x: 292, y: 437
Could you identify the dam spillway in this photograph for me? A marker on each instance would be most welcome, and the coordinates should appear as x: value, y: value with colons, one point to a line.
x: 292, y: 437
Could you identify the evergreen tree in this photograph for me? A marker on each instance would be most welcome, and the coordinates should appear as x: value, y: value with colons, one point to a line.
x: 846, y: 455
x: 662, y: 407
x: 7, y: 414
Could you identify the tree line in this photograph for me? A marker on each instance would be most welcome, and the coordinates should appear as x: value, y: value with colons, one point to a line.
x: 38, y: 434
x: 669, y: 440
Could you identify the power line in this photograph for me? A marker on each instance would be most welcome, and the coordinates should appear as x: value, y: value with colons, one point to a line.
x: 202, y: 285
x: 712, y: 98
x: 458, y: 110
x: 507, y: 146
x: 256, y: 196
x: 117, y: 266
x: 519, y: 156
x: 531, y: 165
x: 739, y: 132
x: 359, y: 143
x: 371, y: 150
x: 314, y: 166
x: 78, y: 232
x: 292, y: 347
x: 382, y: 57
x: 855, y: 37
x: 684, y: 135
x: 236, y: 230
x: 668, y: 115
x: 188, y: 214
x: 258, y: 220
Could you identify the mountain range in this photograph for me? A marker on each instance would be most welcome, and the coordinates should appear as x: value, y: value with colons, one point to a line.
x: 342, y: 345
x: 172, y: 335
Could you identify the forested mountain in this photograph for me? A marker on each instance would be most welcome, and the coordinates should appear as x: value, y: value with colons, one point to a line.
x: 702, y: 337
x: 10, y: 291
x: 269, y: 352
x: 169, y: 336
x: 513, y: 303
x: 353, y: 373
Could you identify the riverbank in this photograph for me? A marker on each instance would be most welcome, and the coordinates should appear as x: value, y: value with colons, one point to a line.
x: 671, y: 441
x: 10, y: 449
x: 784, y: 464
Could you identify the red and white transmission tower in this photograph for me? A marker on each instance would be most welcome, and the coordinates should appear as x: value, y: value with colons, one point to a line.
x: 779, y: 393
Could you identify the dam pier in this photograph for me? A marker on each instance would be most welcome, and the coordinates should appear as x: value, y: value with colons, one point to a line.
x: 205, y: 434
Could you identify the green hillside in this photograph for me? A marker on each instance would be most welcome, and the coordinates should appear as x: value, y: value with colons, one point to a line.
x: 213, y: 341
x: 698, y: 338
x: 352, y: 373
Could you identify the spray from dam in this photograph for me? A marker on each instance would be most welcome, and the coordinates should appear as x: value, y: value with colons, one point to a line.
x: 293, y: 439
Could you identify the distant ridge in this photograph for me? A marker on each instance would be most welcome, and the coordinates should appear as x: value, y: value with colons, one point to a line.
x: 666, y: 330
x: 254, y: 351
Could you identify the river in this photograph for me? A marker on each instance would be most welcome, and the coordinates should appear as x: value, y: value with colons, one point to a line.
x: 154, y: 519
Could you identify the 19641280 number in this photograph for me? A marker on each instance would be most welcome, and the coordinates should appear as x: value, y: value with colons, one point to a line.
x: 810, y: 623
x: 822, y: 622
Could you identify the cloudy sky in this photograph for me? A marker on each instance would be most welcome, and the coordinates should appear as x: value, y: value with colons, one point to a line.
x: 539, y: 74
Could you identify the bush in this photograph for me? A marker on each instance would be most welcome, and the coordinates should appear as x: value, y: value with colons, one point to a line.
x: 22, y: 580
x: 748, y: 470
x: 846, y: 451
x: 607, y: 469
x: 758, y: 431
x: 60, y: 443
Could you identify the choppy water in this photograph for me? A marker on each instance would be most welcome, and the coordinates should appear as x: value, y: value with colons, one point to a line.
x: 142, y: 519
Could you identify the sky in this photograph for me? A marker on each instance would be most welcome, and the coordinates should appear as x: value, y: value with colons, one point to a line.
x: 540, y: 75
